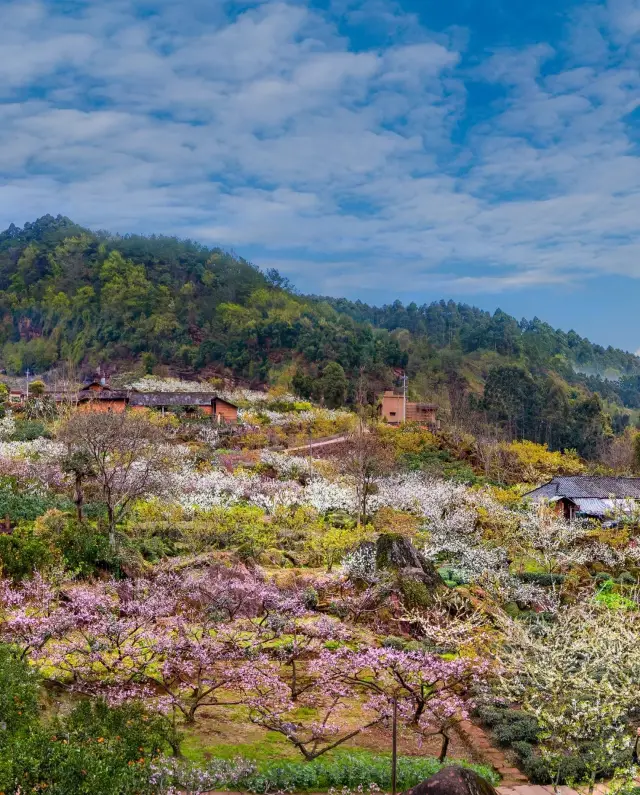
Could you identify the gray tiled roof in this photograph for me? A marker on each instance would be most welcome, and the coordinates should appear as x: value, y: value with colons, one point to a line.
x: 578, y: 487
x: 153, y: 399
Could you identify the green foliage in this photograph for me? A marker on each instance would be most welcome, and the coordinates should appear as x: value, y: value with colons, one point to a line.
x: 333, y: 385
x: 344, y: 769
x: 95, y: 750
x: 82, y: 548
x: 541, y: 578
x: 415, y: 594
x: 28, y: 430
x: 26, y: 506
x: 86, y: 295
x: 613, y: 599
x: 22, y: 552
x: 18, y: 696
x: 37, y: 388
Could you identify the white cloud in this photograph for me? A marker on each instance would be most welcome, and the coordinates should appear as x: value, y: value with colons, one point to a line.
x: 267, y: 130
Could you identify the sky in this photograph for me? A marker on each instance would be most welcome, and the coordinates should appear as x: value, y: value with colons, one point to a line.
x: 377, y: 149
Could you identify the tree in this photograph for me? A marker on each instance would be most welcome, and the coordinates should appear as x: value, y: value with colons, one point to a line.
x: 368, y: 458
x: 126, y: 454
x: 334, y: 385
x: 80, y: 466
x: 268, y: 697
x: 37, y: 389
x: 579, y: 677
x: 428, y: 692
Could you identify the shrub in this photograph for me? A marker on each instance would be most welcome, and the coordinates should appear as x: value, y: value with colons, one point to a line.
x: 415, y: 593
x: 343, y: 769
x: 95, y: 750
x: 28, y: 430
x: 310, y: 598
x: 393, y: 642
x: 83, y: 548
x: 541, y: 578
x: 18, y: 695
x: 22, y: 552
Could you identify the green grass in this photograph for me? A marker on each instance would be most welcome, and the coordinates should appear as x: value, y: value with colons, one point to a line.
x: 272, y: 744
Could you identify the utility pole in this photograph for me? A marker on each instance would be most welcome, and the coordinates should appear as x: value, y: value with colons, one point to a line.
x: 394, y: 748
x: 404, y: 397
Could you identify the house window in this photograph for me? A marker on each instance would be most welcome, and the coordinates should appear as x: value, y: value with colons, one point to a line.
x: 392, y: 414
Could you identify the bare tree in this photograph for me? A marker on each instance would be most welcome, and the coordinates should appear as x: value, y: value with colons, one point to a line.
x: 368, y: 458
x: 124, y: 453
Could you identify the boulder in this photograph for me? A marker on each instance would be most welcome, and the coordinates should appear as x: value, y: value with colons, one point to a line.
x: 453, y: 780
x: 396, y: 553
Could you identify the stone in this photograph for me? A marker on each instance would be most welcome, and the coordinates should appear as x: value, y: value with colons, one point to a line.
x: 453, y: 780
x: 396, y: 553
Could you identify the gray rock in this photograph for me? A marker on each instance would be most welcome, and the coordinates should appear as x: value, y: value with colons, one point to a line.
x: 453, y: 780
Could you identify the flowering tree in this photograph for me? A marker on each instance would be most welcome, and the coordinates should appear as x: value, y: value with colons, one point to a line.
x: 429, y: 692
x: 292, y: 637
x: 268, y: 697
x: 129, y: 640
x: 125, y: 454
x: 579, y: 677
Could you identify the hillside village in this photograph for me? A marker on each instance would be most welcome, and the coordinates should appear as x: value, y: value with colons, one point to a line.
x: 253, y: 580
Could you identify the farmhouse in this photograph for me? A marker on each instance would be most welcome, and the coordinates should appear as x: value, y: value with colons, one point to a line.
x: 98, y: 396
x: 589, y: 496
x: 396, y: 409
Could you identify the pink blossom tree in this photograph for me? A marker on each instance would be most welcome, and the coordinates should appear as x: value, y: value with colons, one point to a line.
x: 427, y: 691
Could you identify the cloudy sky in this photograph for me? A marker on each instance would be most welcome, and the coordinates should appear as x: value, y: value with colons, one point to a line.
x: 485, y: 150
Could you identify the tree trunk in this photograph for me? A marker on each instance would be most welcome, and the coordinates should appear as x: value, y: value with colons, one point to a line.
x: 79, y: 499
x: 443, y: 748
x: 112, y: 527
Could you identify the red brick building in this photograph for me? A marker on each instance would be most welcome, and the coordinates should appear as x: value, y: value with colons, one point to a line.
x: 395, y: 410
x: 99, y: 397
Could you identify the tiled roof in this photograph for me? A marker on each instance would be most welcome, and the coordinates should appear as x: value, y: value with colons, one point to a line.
x: 112, y: 394
x: 581, y: 487
x: 153, y: 399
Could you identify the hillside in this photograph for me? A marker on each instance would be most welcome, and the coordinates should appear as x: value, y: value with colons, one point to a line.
x: 68, y: 294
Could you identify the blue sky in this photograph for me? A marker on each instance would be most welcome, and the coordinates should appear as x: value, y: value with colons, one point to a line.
x: 485, y: 151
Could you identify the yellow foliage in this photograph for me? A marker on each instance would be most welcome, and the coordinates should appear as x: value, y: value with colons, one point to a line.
x: 333, y: 543
x: 410, y: 439
x: 532, y: 463
x: 389, y: 520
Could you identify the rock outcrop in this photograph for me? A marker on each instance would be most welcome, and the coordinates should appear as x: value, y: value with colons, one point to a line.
x: 453, y: 780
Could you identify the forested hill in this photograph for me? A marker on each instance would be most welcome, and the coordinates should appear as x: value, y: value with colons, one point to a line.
x: 70, y: 294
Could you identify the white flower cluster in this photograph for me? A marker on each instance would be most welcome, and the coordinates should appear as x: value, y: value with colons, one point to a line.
x: 289, y: 466
x: 39, y: 449
x: 261, y: 416
x: 7, y: 426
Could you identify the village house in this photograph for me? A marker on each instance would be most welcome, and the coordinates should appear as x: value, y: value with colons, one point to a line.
x: 589, y: 496
x: 395, y: 410
x: 99, y: 396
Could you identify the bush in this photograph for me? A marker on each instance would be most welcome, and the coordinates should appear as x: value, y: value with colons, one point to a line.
x: 343, y: 769
x: 22, y: 552
x: 95, y: 750
x: 393, y: 642
x: 83, y: 548
x: 28, y: 430
x: 18, y: 695
x: 310, y: 598
x: 541, y: 578
x: 26, y: 506
x: 415, y: 593
x: 522, y: 729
